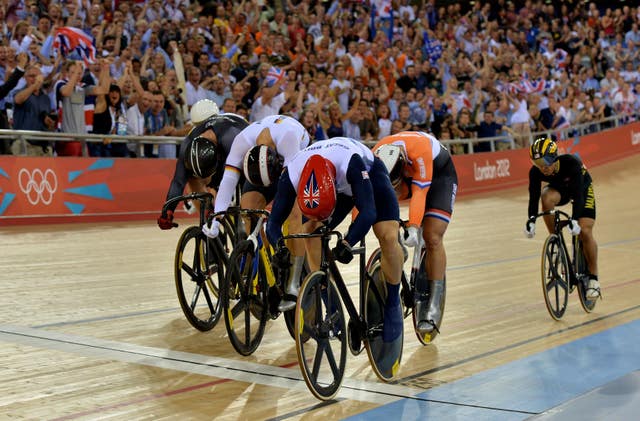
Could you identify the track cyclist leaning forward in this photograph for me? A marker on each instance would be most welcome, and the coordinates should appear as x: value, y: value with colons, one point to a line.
x: 567, y: 180
x: 328, y: 178
x: 259, y: 152
x: 421, y: 169
x: 202, y: 153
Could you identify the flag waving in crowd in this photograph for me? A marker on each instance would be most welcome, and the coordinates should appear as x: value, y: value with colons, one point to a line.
x: 432, y: 48
x: 274, y: 76
x: 527, y: 85
x: 69, y: 40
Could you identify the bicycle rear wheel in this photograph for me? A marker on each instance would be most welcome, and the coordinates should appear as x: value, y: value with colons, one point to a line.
x: 424, y: 338
x: 582, y: 270
x: 555, y: 276
x: 244, y: 299
x: 384, y: 358
x: 198, y: 274
x: 321, y: 342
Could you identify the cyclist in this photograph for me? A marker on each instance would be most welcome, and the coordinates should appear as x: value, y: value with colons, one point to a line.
x: 567, y: 180
x: 328, y: 178
x: 260, y: 151
x: 202, y: 153
x: 421, y: 169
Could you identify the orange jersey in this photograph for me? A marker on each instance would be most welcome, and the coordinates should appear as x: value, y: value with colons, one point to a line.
x: 418, y: 148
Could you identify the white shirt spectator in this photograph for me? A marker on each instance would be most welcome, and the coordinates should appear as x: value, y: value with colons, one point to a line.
x: 343, y: 98
x: 521, y: 114
x: 195, y: 93
x: 135, y: 126
x: 260, y: 110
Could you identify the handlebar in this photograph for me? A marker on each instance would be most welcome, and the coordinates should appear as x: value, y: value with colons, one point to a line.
x: 323, y: 231
x: 239, y: 211
x: 558, y: 214
x: 553, y: 212
x: 203, y: 197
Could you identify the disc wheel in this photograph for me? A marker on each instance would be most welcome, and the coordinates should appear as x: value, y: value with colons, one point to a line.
x: 384, y: 357
x: 198, y: 274
x: 320, y: 336
x: 244, y: 299
x: 555, y: 276
x: 581, y: 269
x: 424, y: 338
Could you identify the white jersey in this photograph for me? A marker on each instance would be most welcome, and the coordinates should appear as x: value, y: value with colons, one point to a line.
x: 339, y: 151
x: 288, y: 135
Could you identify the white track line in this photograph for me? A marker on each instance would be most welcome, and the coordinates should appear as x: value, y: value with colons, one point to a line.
x: 238, y: 370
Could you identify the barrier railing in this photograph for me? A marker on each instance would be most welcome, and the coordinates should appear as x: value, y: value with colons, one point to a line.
x: 581, y: 129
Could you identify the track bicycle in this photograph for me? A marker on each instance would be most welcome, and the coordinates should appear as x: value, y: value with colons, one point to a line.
x: 562, y: 271
x: 418, y: 269
x: 321, y: 334
x: 200, y: 263
x: 253, y: 288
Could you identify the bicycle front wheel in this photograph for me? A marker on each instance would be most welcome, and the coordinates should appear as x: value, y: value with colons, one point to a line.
x: 555, y: 276
x: 321, y: 340
x: 198, y: 275
x: 244, y: 299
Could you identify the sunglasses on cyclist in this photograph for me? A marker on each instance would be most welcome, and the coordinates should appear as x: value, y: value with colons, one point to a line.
x: 543, y: 162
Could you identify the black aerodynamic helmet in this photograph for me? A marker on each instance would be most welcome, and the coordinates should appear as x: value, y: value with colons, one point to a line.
x: 201, y: 157
x: 262, y: 165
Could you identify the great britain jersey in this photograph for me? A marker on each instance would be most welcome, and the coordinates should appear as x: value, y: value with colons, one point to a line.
x: 352, y: 161
x: 338, y: 151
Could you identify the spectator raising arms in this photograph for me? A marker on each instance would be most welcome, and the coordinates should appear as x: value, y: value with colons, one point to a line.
x: 71, y: 95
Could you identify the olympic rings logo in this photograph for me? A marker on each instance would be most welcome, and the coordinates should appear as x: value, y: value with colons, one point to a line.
x: 38, y: 186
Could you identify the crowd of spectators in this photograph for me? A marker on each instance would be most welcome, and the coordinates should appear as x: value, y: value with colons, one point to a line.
x: 362, y: 69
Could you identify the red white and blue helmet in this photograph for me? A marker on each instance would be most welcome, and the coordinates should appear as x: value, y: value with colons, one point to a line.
x: 317, y: 189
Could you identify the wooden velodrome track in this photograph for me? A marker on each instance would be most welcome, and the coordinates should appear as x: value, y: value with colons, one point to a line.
x: 91, y: 328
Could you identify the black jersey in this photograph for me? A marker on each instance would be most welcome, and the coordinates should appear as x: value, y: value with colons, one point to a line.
x: 225, y: 127
x: 572, y: 181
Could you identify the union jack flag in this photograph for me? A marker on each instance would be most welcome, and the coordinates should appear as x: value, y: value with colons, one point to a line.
x: 68, y: 40
x: 311, y: 195
x: 527, y: 85
x: 274, y: 75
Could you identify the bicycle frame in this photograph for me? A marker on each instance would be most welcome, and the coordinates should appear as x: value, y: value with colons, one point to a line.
x: 258, y: 244
x: 558, y: 225
x: 330, y: 268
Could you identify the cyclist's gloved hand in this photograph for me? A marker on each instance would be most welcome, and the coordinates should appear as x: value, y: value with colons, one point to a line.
x: 342, y: 252
x: 530, y: 228
x: 211, y: 230
x: 165, y: 221
x: 574, y: 227
x: 281, y: 258
x: 411, y: 238
x: 189, y: 207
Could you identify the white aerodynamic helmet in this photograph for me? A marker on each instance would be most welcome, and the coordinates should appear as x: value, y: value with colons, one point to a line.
x: 393, y: 158
x: 202, y: 110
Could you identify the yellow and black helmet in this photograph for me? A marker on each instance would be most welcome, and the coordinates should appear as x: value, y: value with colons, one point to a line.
x: 544, y: 151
